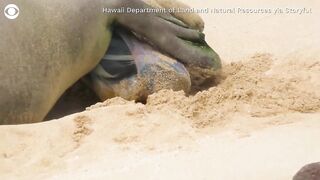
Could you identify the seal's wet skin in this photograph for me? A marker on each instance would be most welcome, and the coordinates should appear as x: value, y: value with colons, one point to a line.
x: 44, y: 52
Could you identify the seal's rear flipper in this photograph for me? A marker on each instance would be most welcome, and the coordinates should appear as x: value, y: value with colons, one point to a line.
x: 118, y: 62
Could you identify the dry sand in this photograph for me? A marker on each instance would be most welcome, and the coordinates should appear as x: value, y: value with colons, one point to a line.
x: 259, y: 119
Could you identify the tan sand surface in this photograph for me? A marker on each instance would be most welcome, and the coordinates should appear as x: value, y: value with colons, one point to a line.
x: 258, y: 119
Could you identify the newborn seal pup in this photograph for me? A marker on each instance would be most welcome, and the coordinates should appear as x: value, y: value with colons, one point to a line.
x: 52, y: 44
x: 132, y: 69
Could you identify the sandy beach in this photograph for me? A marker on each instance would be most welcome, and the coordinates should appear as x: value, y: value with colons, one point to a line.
x: 259, y: 119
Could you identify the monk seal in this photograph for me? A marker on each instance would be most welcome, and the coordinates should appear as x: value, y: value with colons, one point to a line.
x: 52, y: 44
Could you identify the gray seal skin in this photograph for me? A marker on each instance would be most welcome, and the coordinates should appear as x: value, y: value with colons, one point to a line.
x: 52, y: 44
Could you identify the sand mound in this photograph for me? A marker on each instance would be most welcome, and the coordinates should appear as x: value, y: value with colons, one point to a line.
x: 250, y: 99
x: 247, y: 87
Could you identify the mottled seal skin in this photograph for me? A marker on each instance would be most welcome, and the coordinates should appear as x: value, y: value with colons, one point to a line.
x: 52, y: 44
x: 308, y: 172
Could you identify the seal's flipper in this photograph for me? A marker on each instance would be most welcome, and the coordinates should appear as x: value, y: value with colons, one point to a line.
x: 187, y: 45
x: 192, y: 20
x: 118, y: 61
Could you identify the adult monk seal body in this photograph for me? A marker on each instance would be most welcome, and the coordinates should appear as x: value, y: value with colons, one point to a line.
x: 52, y: 44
